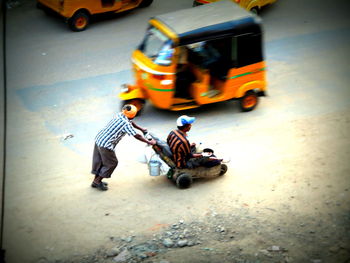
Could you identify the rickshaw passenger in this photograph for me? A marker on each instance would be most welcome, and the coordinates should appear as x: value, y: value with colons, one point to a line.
x: 183, y: 155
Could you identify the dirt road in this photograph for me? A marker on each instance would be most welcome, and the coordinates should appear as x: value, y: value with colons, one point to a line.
x: 285, y: 197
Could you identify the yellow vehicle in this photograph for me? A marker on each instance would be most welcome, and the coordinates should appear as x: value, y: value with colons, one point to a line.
x: 191, y: 57
x: 77, y: 13
x: 250, y: 5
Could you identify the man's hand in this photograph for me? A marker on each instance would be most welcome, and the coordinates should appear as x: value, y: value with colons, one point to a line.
x: 152, y: 142
x: 143, y: 139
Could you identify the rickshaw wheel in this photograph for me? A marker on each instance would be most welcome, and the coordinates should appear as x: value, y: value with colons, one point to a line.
x: 184, y: 180
x: 138, y: 103
x: 79, y: 21
x: 249, y: 101
x: 223, y: 169
x: 146, y: 3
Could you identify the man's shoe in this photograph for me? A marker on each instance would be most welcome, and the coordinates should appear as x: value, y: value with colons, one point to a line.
x: 101, y: 186
x: 94, y: 185
x: 105, y: 183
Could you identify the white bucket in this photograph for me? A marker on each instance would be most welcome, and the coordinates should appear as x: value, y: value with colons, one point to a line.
x: 154, y: 168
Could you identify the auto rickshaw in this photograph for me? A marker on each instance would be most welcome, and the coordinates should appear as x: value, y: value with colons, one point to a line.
x: 251, y: 5
x: 223, y: 47
x: 77, y: 13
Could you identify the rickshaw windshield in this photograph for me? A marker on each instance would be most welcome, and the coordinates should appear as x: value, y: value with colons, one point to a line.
x: 157, y: 47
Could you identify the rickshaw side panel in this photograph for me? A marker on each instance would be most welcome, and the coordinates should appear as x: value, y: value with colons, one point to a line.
x: 68, y: 8
x: 240, y: 80
x: 97, y: 8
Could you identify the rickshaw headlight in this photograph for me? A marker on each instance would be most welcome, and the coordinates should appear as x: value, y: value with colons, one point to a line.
x: 166, y: 82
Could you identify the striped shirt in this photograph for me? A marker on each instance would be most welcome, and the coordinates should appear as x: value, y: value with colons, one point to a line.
x: 180, y: 147
x: 115, y: 130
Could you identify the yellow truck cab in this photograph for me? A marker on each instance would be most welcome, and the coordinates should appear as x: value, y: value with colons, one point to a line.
x: 77, y: 13
x: 199, y: 56
x: 250, y: 5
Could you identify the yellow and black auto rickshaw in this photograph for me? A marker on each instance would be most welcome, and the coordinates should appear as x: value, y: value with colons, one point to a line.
x: 198, y: 56
x: 77, y: 13
x: 251, y: 5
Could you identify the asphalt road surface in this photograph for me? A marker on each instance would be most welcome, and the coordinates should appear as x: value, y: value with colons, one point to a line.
x: 62, y: 88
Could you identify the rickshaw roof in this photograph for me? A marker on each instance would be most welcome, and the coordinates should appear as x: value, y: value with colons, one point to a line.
x: 220, y: 19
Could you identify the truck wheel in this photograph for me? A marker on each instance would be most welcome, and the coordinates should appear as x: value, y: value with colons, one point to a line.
x: 223, y: 169
x: 138, y: 103
x: 183, y: 181
x: 146, y: 3
x: 79, y: 21
x: 249, y: 101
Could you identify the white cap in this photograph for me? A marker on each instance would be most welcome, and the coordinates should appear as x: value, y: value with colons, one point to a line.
x: 184, y: 119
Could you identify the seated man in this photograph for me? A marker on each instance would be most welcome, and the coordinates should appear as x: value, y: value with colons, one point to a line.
x: 181, y: 148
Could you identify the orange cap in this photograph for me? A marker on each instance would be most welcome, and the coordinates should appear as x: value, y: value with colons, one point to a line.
x: 129, y: 111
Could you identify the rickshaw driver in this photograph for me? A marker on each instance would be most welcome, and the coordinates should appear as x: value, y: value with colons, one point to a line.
x: 182, y: 150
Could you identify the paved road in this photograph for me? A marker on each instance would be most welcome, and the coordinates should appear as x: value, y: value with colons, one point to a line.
x: 60, y: 82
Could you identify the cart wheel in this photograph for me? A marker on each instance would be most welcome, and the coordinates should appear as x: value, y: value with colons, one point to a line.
x: 184, y: 181
x: 146, y: 3
x: 223, y: 169
x: 79, y: 21
x: 138, y: 103
x: 249, y: 101
x: 255, y: 10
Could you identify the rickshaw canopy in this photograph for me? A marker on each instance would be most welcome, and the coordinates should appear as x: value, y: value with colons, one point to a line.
x: 208, y: 22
